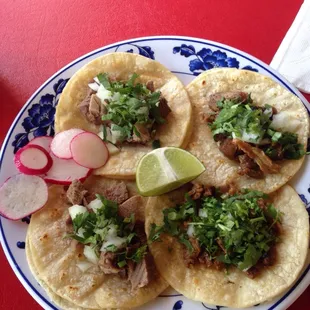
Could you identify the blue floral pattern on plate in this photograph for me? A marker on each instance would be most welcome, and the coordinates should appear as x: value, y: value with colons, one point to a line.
x: 178, y: 305
x: 145, y: 51
x: 206, y: 59
x: 40, y: 119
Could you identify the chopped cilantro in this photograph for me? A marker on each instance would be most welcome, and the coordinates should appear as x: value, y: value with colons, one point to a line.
x: 253, y: 124
x: 96, y: 228
x: 243, y: 228
x: 130, y: 103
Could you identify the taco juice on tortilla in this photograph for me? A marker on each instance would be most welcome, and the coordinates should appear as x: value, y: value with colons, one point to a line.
x: 235, y: 249
x: 91, y: 251
x: 132, y: 102
x: 247, y: 128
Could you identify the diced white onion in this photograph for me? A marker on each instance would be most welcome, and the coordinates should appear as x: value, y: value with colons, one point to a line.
x: 250, y: 137
x: 96, y: 80
x: 112, y: 149
x: 190, y: 230
x: 95, y: 204
x: 116, y: 96
x: 75, y: 210
x: 143, y: 110
x: 84, y: 266
x: 90, y: 254
x: 93, y: 86
x: 285, y: 121
x: 80, y: 232
x: 112, y: 238
x: 103, y: 94
x: 202, y: 213
x: 115, y: 134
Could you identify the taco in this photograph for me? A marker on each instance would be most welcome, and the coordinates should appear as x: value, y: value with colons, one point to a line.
x: 247, y: 129
x: 88, y: 246
x: 231, y: 249
x: 132, y: 102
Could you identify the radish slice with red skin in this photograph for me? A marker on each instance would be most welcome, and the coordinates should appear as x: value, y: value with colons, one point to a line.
x: 88, y: 150
x: 33, y: 160
x: 44, y: 141
x: 22, y: 195
x: 60, y: 145
x: 64, y: 171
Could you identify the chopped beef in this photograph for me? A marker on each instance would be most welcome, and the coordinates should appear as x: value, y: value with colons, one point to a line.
x: 143, y: 135
x: 69, y: 221
x: 218, y: 265
x: 220, y: 137
x: 140, y: 231
x: 150, y: 86
x: 269, y: 258
x: 92, y: 108
x: 261, y: 203
x: 274, y: 111
x: 264, y: 162
x: 142, y: 273
x: 132, y: 205
x: 199, y: 190
x: 164, y: 109
x: 230, y: 188
x: 196, y: 191
x: 107, y: 263
x: 209, y: 191
x: 205, y: 259
x: 191, y: 258
x: 209, y: 117
x: 76, y: 192
x: 252, y: 272
x: 220, y: 244
x: 233, y: 95
x: 249, y: 167
x: 117, y: 193
x: 228, y: 148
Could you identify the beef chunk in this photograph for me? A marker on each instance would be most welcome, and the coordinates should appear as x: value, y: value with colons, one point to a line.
x: 249, y: 167
x: 196, y: 191
x: 142, y: 274
x: 220, y: 244
x: 143, y: 137
x: 76, y: 192
x: 220, y: 137
x: 108, y: 263
x: 92, y: 108
x: 191, y: 258
x: 164, y: 109
x: 252, y: 272
x: 261, y: 203
x: 205, y: 259
x: 230, y: 188
x: 233, y: 95
x: 209, y: 117
x: 209, y: 191
x: 150, y: 86
x: 140, y: 231
x: 228, y: 148
x: 132, y: 205
x: 117, y: 193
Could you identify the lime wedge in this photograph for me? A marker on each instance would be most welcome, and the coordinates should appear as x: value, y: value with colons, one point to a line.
x: 166, y: 169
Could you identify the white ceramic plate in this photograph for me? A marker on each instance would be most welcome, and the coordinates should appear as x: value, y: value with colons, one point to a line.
x: 184, y: 56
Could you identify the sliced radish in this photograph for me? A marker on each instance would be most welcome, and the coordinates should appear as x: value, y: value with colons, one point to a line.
x: 22, y: 195
x: 44, y: 141
x: 60, y: 145
x: 64, y: 171
x: 88, y: 150
x: 33, y: 160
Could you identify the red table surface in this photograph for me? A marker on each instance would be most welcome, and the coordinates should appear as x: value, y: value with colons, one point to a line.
x: 40, y: 37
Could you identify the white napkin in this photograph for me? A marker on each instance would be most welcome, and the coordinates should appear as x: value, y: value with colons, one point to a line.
x: 292, y: 59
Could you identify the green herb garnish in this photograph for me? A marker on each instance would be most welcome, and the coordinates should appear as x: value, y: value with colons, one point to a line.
x: 96, y: 228
x: 130, y: 103
x: 252, y: 124
x: 244, y: 229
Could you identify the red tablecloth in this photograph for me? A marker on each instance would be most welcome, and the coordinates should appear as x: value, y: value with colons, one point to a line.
x: 40, y: 37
